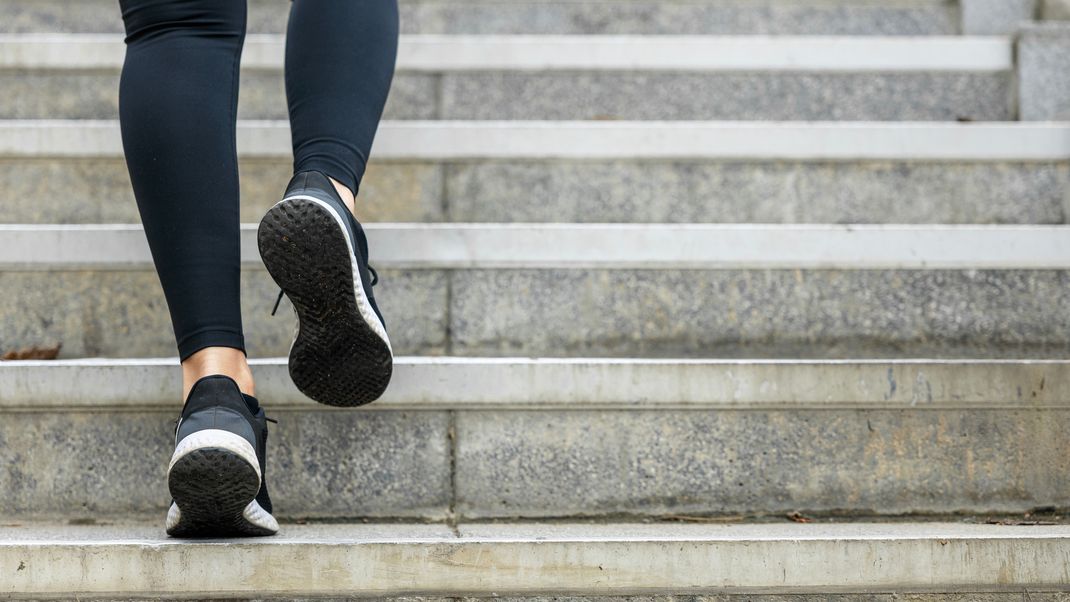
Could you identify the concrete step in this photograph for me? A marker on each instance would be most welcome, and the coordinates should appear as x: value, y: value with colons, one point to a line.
x: 505, y: 437
x: 72, y: 172
x: 582, y: 77
x: 561, y: 290
x: 543, y: 560
x: 843, y: 17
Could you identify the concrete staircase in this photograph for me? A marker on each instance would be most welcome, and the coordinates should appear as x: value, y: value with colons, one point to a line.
x: 657, y: 283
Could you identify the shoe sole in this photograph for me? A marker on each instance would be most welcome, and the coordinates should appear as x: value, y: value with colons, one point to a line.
x: 341, y: 355
x: 214, y: 477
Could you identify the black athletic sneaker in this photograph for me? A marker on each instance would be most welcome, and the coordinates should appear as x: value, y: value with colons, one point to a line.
x: 317, y: 253
x: 216, y: 475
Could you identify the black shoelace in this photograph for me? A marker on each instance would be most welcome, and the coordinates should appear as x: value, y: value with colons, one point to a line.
x: 375, y: 280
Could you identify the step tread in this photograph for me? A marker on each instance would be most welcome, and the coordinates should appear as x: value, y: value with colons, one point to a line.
x: 543, y: 558
x: 635, y: 140
x: 101, y: 385
x: 601, y: 246
x: 444, y: 53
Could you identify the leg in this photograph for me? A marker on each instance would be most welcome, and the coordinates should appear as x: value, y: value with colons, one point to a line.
x: 340, y: 58
x: 339, y: 63
x: 177, y: 105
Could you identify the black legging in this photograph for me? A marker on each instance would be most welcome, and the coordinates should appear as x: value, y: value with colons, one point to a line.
x: 178, y: 103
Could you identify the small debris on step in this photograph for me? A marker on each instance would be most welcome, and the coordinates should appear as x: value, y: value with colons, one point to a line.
x: 734, y: 518
x: 33, y: 353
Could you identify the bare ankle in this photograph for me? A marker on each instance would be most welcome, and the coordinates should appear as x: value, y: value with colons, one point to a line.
x: 217, y: 360
x: 344, y: 192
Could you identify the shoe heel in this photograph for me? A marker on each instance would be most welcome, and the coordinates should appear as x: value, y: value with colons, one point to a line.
x: 212, y: 481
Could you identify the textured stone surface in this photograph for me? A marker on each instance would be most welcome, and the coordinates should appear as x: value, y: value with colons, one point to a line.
x: 564, y: 464
x: 725, y: 17
x: 1032, y: 596
x: 1027, y: 193
x: 59, y: 95
x: 845, y: 17
x: 98, y: 191
x: 735, y: 313
x: 323, y: 464
x: 123, y: 314
x: 92, y: 465
x: 1056, y: 10
x: 95, y: 95
x: 755, y: 313
x: 752, y: 96
x: 992, y: 17
x: 590, y: 95
x: 1043, y: 79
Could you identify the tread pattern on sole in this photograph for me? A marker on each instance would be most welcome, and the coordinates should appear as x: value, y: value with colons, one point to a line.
x: 337, y: 357
x: 212, y: 487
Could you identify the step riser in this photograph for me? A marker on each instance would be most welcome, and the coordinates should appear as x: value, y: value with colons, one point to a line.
x: 627, y: 95
x: 709, y: 313
x: 321, y: 464
x: 98, y: 191
x: 550, y: 463
x: 641, y: 17
x: 131, y: 320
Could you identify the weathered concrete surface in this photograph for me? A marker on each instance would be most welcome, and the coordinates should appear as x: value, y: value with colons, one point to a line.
x: 90, y: 94
x: 548, y: 463
x: 1043, y: 80
x: 1055, y: 10
x: 935, y: 96
x: 564, y: 246
x: 98, y: 191
x: 651, y: 313
x: 993, y: 17
x: 467, y: 140
x: 90, y: 465
x: 845, y: 17
x: 759, y: 313
x: 1033, y: 595
x: 481, y: 383
x: 540, y: 560
x: 713, y: 17
x: 658, y: 463
x: 772, y: 192
x: 780, y: 96
x: 124, y: 314
x: 590, y: 95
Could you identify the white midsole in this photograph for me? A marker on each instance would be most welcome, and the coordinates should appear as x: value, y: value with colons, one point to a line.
x: 363, y: 305
x: 253, y: 513
x: 217, y: 439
